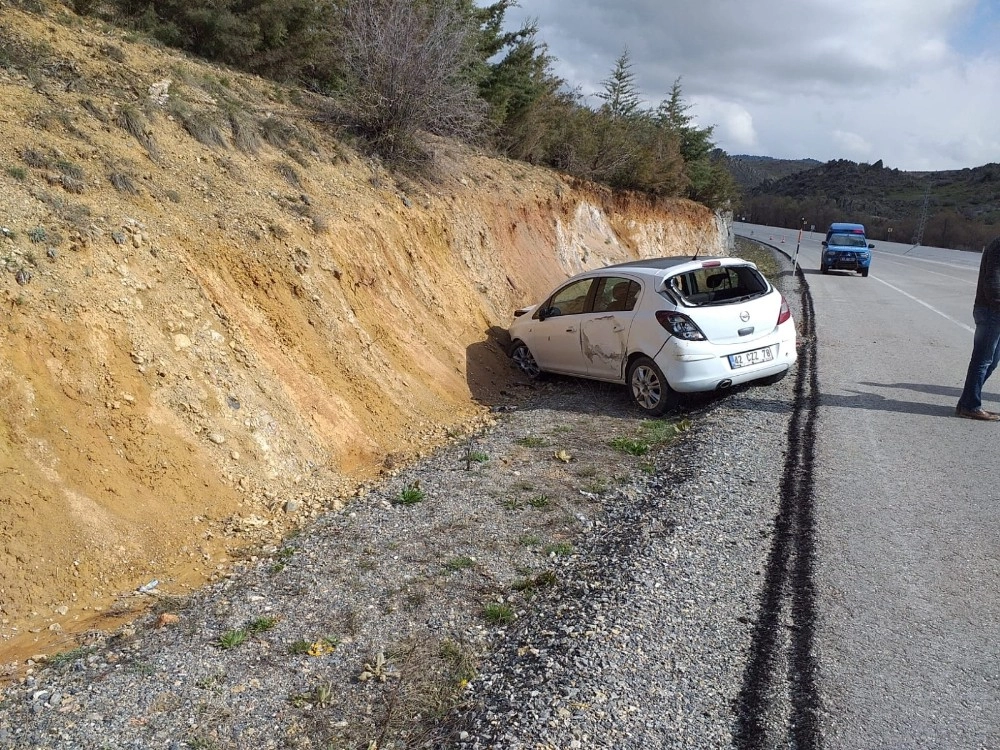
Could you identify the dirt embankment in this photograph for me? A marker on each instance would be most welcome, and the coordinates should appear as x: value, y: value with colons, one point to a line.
x: 216, y: 320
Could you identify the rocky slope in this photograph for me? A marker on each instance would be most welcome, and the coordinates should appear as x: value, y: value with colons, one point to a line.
x: 217, y: 319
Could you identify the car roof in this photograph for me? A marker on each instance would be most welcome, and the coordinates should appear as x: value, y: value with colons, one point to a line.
x: 658, y: 263
x: 657, y: 266
x: 845, y: 227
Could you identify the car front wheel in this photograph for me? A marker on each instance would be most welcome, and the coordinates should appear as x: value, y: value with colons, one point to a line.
x: 525, y: 360
x: 864, y: 272
x: 648, y: 388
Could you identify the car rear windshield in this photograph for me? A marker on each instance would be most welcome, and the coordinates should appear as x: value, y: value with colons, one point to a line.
x: 717, y: 285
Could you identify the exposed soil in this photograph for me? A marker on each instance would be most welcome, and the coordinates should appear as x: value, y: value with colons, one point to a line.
x: 203, y: 346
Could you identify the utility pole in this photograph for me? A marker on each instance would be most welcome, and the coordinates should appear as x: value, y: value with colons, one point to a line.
x: 918, y: 236
x: 795, y: 259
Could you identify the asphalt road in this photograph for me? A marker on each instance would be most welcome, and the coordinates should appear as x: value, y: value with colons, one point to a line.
x: 906, y: 504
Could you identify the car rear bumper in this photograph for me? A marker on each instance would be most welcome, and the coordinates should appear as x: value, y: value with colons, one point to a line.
x: 694, y: 366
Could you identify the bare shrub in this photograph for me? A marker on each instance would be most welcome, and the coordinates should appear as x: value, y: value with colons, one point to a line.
x: 204, y: 129
x: 123, y: 183
x: 72, y: 184
x: 246, y: 136
x: 287, y: 171
x: 94, y: 110
x: 404, y: 65
x: 320, y: 223
x: 69, y: 169
x: 35, y: 159
x: 279, y: 133
x: 132, y: 121
x: 113, y: 52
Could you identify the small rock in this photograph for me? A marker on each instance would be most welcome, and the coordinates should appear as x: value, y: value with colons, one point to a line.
x: 167, y: 619
x: 217, y: 438
x: 292, y: 505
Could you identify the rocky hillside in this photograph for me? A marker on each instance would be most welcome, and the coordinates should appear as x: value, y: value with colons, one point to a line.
x: 751, y: 171
x: 219, y: 320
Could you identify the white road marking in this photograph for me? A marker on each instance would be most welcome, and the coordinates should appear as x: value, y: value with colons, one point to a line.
x: 933, y: 309
x: 936, y: 273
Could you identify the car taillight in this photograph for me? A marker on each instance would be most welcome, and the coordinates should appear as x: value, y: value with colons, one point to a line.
x: 679, y: 325
x: 784, y: 313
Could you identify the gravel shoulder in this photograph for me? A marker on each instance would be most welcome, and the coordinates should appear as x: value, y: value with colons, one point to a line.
x: 531, y: 585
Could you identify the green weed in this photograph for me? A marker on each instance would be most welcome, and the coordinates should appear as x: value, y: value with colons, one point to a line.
x: 261, y: 625
x: 532, y: 441
x: 540, y: 502
x: 497, y: 613
x: 68, y: 657
x: 411, y: 494
x: 459, y: 563
x: 630, y: 446
x: 233, y: 638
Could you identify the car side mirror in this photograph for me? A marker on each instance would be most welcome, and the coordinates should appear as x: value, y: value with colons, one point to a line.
x: 823, y: 243
x: 871, y: 245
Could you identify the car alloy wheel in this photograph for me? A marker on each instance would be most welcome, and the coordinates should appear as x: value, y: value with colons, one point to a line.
x: 525, y: 360
x: 649, y: 389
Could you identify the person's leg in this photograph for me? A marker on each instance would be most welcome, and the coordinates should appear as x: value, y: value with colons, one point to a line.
x: 995, y: 362
x: 984, y: 359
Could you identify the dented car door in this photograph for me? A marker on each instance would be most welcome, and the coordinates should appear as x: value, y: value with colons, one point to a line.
x: 604, y: 332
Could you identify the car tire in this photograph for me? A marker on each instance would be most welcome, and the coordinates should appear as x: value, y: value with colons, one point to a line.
x: 774, y: 379
x: 864, y: 273
x: 824, y: 269
x: 525, y: 360
x: 648, y: 388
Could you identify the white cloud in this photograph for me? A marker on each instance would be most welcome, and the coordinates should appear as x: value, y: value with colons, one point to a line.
x: 827, y: 79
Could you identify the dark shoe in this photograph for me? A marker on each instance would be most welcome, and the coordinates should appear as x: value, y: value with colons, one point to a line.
x: 980, y: 414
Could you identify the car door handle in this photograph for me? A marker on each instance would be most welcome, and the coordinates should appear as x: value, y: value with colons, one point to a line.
x: 570, y: 330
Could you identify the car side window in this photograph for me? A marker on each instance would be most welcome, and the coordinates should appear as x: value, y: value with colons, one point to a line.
x: 615, y: 294
x: 570, y: 300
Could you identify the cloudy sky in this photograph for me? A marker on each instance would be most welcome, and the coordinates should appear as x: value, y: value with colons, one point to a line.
x: 915, y: 83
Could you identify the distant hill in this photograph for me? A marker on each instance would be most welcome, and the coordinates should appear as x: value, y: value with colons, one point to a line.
x: 751, y: 171
x: 954, y: 208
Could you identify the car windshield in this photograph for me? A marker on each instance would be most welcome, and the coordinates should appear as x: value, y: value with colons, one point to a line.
x: 847, y: 240
x: 717, y: 285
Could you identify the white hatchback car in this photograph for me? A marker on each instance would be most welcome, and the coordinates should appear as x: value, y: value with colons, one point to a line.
x: 662, y: 326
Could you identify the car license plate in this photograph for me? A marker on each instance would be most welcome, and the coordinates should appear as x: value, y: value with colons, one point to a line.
x: 755, y: 357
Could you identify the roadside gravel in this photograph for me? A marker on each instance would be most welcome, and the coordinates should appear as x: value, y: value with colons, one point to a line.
x: 543, y: 590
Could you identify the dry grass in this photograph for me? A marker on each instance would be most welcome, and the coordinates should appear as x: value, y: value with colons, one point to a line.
x: 204, y: 129
x: 131, y: 120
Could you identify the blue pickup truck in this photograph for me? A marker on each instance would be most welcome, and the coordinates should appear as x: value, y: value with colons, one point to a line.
x: 846, y: 248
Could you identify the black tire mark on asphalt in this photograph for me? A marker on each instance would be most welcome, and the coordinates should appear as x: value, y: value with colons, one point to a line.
x: 774, y: 675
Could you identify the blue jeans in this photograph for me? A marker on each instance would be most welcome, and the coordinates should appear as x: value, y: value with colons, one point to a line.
x: 985, y: 357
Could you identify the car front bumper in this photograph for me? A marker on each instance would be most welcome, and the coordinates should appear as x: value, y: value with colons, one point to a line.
x: 841, y: 261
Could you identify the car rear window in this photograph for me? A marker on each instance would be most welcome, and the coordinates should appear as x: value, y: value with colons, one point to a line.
x: 717, y: 285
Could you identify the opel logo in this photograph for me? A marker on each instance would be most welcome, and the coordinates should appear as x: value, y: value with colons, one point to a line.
x: 744, y: 316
